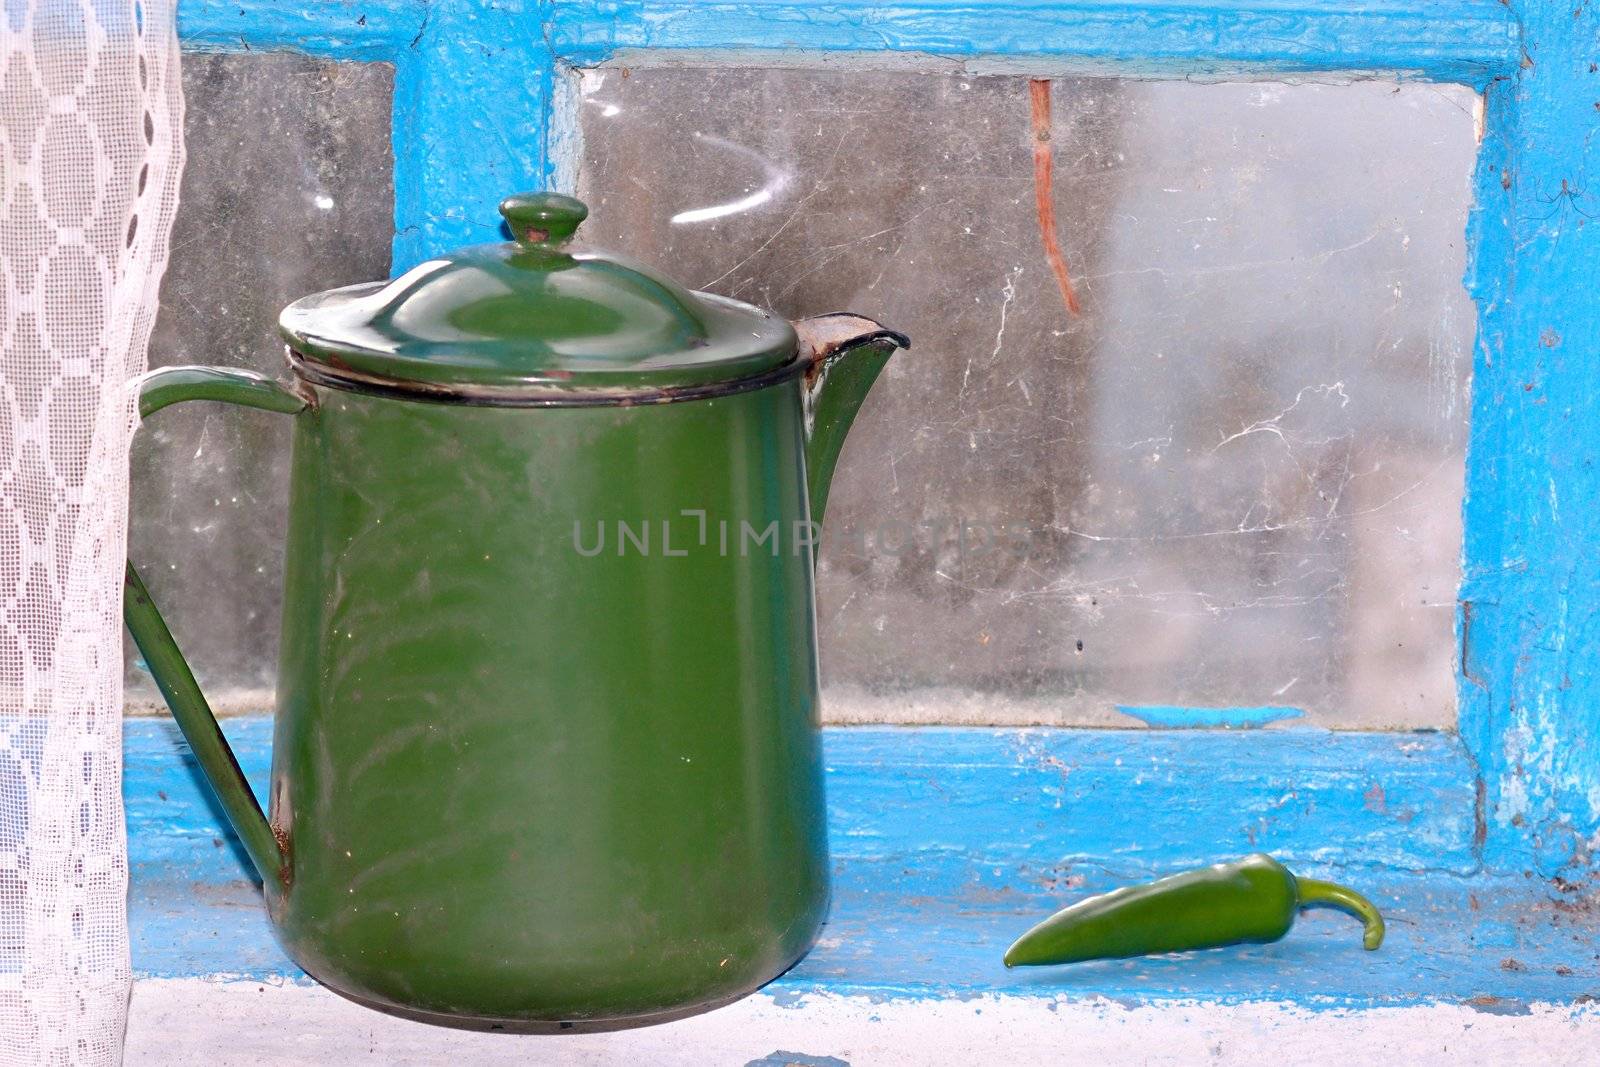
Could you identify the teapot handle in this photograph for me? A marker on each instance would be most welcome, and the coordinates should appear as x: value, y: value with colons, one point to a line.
x: 158, y: 389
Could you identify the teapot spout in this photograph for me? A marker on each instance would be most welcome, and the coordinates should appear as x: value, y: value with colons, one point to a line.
x: 846, y: 353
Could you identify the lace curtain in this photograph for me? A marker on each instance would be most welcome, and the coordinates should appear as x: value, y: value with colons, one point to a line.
x: 90, y: 156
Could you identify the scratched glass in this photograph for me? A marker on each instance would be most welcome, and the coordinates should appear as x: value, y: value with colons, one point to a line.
x: 1232, y: 482
x: 288, y: 190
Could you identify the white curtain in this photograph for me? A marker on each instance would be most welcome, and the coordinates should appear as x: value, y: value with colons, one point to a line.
x: 90, y: 156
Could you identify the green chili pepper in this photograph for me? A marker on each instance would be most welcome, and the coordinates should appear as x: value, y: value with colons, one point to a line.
x: 1251, y: 901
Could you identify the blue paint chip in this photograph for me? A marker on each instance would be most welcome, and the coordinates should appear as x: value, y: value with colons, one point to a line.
x: 1493, y: 1005
x: 1173, y: 717
x: 797, y: 1059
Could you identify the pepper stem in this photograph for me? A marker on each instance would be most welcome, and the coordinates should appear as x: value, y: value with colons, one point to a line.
x: 1314, y: 893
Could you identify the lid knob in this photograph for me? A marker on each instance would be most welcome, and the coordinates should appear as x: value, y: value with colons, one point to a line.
x: 543, y: 220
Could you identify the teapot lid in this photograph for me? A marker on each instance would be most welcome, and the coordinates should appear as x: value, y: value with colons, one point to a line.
x: 533, y: 320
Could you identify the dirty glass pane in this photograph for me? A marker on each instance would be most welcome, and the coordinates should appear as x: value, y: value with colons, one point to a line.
x: 1233, y: 482
x: 288, y: 190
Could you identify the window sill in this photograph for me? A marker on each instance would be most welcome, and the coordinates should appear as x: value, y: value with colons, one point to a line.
x: 950, y: 841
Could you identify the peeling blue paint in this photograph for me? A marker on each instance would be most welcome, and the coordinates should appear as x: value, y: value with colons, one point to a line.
x: 1173, y: 717
x: 1463, y: 40
x: 338, y: 29
x: 1495, y: 1005
x: 797, y: 1059
x: 472, y: 114
x: 1470, y: 41
x: 1530, y: 605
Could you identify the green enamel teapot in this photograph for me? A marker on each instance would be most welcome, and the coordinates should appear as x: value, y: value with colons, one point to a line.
x: 546, y: 749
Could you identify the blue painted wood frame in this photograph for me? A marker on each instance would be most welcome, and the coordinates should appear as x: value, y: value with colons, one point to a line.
x: 474, y: 117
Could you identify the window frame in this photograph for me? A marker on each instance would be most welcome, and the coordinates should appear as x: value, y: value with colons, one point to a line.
x: 482, y: 104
